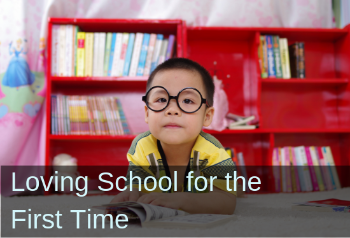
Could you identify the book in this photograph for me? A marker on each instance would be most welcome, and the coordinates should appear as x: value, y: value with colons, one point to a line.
x: 111, y: 53
x: 128, y: 54
x: 157, y: 216
x: 69, y: 49
x: 277, y: 56
x: 312, y: 169
x: 81, y: 54
x: 301, y: 155
x: 143, y: 54
x: 136, y: 54
x: 121, y: 59
x: 55, y: 50
x: 170, y: 48
x: 89, y: 45
x: 324, y: 169
x: 299, y: 165
x: 116, y: 69
x: 156, y: 52
x: 150, y: 51
x: 107, y: 54
x: 294, y: 60
x: 317, y: 168
x: 294, y: 170
x: 270, y: 57
x: 95, y: 54
x: 62, y: 51
x: 330, y: 161
x: 284, y: 58
x: 101, y: 53
x: 276, y: 170
x: 262, y: 52
x: 301, y: 60
x: 162, y: 52
x: 288, y: 169
x: 240, y: 120
x: 75, y: 45
x: 327, y: 205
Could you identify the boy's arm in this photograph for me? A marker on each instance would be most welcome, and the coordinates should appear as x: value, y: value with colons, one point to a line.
x: 215, y: 202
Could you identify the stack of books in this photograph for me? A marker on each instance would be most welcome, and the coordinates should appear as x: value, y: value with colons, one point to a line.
x: 278, y: 60
x: 100, y: 54
x: 87, y: 115
x: 241, y: 122
x: 304, y: 168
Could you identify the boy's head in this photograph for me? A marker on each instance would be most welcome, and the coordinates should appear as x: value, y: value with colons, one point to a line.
x: 174, y: 124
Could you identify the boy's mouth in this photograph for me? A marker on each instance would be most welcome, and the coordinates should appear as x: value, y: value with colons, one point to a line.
x: 172, y: 125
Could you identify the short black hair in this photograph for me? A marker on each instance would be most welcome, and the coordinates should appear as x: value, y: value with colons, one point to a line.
x: 187, y: 64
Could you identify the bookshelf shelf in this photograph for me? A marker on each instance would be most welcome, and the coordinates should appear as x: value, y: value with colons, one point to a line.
x: 100, y: 79
x: 93, y: 137
x: 327, y: 82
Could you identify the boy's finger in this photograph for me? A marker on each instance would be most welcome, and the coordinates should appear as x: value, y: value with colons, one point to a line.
x: 133, y: 197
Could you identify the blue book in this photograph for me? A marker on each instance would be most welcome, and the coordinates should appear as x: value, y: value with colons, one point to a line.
x: 271, y: 70
x: 111, y: 55
x: 129, y: 54
x: 143, y: 54
x: 53, y: 114
x: 156, y: 51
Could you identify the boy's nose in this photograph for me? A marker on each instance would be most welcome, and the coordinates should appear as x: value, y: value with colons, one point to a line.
x: 172, y: 108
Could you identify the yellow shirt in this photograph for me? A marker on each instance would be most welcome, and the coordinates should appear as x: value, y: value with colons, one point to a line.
x: 208, y: 158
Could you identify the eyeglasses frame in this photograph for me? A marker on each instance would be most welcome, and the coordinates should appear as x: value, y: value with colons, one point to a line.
x: 203, y: 100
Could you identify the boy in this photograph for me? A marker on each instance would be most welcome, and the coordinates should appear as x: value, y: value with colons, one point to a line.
x: 176, y: 142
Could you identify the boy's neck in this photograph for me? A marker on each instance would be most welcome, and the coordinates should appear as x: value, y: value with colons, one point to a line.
x: 178, y: 155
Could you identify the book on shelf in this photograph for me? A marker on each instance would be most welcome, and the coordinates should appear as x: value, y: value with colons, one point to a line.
x: 304, y: 168
x: 87, y: 115
x: 97, y: 54
x: 327, y: 205
x: 277, y: 59
x: 241, y: 122
x: 157, y: 216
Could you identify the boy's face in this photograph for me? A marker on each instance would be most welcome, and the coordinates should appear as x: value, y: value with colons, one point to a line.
x: 173, y: 126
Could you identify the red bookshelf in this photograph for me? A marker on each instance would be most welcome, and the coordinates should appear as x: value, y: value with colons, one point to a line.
x: 311, y: 111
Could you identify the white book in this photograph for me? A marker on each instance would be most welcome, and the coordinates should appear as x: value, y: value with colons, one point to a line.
x: 242, y: 121
x: 151, y: 45
x: 285, y: 53
x: 284, y: 169
x: 96, y: 54
x: 69, y: 50
x: 302, y: 155
x: 300, y: 165
x: 242, y: 127
x: 116, y: 56
x: 136, y: 54
x: 162, y: 52
x: 120, y: 66
x: 54, y: 50
x: 330, y: 161
x: 101, y: 53
x: 62, y: 51
x: 156, y: 53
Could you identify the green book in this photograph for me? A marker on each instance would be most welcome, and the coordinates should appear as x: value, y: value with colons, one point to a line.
x: 277, y: 56
x: 76, y: 30
x: 107, y: 53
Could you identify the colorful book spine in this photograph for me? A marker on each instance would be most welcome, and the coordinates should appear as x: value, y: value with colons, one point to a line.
x: 324, y: 168
x: 55, y: 50
x: 306, y: 172
x: 170, y: 49
x: 75, y: 45
x: 53, y: 114
x: 299, y: 166
x: 96, y: 54
x: 262, y: 52
x: 282, y: 156
x: 136, y: 54
x: 122, y: 118
x: 316, y: 167
x: 288, y: 170
x: 276, y: 170
x: 121, y: 59
x: 270, y: 57
x: 111, y: 54
x: 162, y: 51
x: 107, y: 53
x: 284, y: 58
x: 129, y: 54
x: 81, y: 54
x: 330, y: 161
x: 301, y: 60
x: 62, y: 51
x: 143, y: 54
x: 277, y: 56
x: 156, y: 52
x: 116, y: 58
x: 312, y: 169
x: 69, y: 50
x: 294, y: 170
x: 101, y: 53
x: 150, y: 51
x: 89, y: 53
x: 294, y: 60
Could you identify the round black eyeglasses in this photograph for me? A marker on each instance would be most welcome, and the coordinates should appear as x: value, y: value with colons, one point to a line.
x: 189, y: 99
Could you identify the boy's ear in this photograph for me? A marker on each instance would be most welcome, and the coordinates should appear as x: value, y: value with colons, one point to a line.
x: 208, y: 117
x: 146, y: 114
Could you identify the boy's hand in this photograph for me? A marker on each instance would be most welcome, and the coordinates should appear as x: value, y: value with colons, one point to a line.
x: 170, y: 200
x: 127, y: 196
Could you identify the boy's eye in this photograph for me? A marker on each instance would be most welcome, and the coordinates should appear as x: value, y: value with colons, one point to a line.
x: 187, y: 101
x: 161, y: 100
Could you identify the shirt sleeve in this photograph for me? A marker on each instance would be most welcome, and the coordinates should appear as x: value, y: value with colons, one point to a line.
x: 220, y: 165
